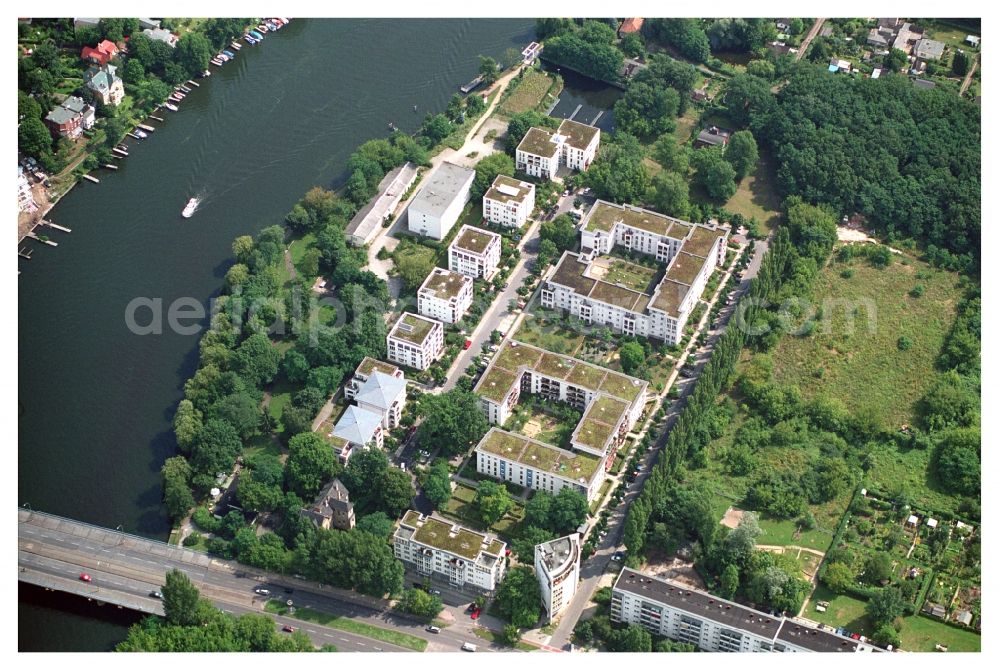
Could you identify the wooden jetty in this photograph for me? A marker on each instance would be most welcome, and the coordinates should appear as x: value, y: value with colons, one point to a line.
x: 132, y: 134
x: 111, y: 167
x: 90, y: 178
x: 147, y: 128
x: 119, y: 153
x: 50, y: 224
x: 156, y: 118
x: 25, y: 252
x: 44, y: 241
x: 192, y: 82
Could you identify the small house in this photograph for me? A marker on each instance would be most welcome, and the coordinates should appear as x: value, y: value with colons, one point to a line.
x: 972, y: 41
x: 935, y: 610
x: 162, y: 35
x: 712, y: 136
x: 928, y: 49
x: 629, y: 26
x: 964, y: 617
x: 932, y: 523
x: 912, y: 521
x: 105, y: 84
x: 332, y: 508
x: 102, y: 54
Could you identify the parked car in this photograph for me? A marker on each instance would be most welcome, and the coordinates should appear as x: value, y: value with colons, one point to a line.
x: 467, y: 345
x: 157, y: 594
x: 470, y: 608
x: 436, y: 592
x: 470, y: 647
x: 262, y: 591
x: 287, y: 628
x: 434, y: 630
x: 475, y: 614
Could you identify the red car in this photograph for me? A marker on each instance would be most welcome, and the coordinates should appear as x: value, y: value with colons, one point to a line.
x: 475, y: 614
x: 85, y: 577
x: 468, y: 343
x: 287, y: 628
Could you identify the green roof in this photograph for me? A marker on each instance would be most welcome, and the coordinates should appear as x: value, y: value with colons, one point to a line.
x: 555, y: 366
x: 412, y: 328
x: 669, y: 296
x: 578, y: 135
x: 444, y: 284
x: 540, y: 456
x: 522, y: 187
x: 684, y: 268
x: 620, y: 385
x: 701, y: 241
x: 447, y: 536
x: 473, y: 239
x: 538, y: 142
x: 604, y: 215
x: 369, y: 365
x: 599, y: 422
x: 496, y: 383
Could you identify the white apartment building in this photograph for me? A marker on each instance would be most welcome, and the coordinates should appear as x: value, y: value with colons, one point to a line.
x: 509, y: 201
x: 557, y: 566
x: 621, y: 294
x: 364, y: 372
x: 533, y: 464
x: 356, y: 428
x: 444, y: 295
x: 475, y: 252
x: 542, y: 151
x: 439, y: 203
x: 25, y: 200
x: 675, y: 611
x: 384, y: 395
x: 432, y: 545
x: 415, y: 341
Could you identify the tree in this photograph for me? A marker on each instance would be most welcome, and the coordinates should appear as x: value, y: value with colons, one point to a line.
x: 294, y: 366
x: 671, y: 155
x: 547, y: 253
x: 761, y: 68
x: 714, y: 174
x: 647, y: 110
x: 193, y: 53
x: 813, y: 229
x: 452, y: 420
x: 878, y: 568
x: 741, y: 152
x: 632, y: 639
x: 531, y: 535
x: 413, y: 267
x: 437, y: 484
x: 240, y: 410
x: 257, y: 359
x: 177, y: 496
x: 960, y: 63
x: 895, y: 60
x: 632, y: 45
x: 33, y: 139
x: 243, y: 249
x: 561, y: 231
x: 519, y: 597
x: 670, y: 194
x: 435, y: 128
x: 729, y: 582
x: 632, y: 357
x: 839, y: 577
x: 618, y: 173
x: 518, y: 126
x: 395, y: 491
x: 684, y: 34
x: 180, y: 600
x: 311, y: 463
x: 489, y: 70
x: 511, y: 635
x: 595, y: 58
x: 377, y: 523
x: 475, y: 104
x: 216, y: 448
x: 187, y: 424
x: 957, y: 461
x: 885, y: 606
x: 569, y: 511
x: 353, y: 559
x: 420, y: 603
x: 950, y: 402
x: 487, y: 170
x: 492, y: 501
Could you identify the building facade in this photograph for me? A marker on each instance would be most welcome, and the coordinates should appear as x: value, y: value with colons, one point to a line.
x: 557, y: 566
x: 677, y: 612
x: 25, y: 200
x: 70, y: 118
x: 436, y: 208
x: 444, y: 295
x: 332, y: 508
x: 431, y: 545
x: 475, y: 252
x: 415, y: 341
x: 509, y: 202
x: 106, y: 84
x: 541, y: 152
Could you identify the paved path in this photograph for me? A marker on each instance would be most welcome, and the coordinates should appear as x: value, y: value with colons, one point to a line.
x: 809, y: 38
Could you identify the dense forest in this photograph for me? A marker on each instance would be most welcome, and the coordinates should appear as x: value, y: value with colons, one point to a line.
x: 907, y: 159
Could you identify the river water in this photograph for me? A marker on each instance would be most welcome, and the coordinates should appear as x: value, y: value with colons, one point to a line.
x: 95, y: 401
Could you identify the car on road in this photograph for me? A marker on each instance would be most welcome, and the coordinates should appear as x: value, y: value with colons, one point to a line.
x: 434, y: 630
x: 262, y: 591
x: 506, y: 285
x: 419, y: 586
x: 476, y: 612
x: 85, y: 577
x: 467, y: 345
x: 470, y: 647
x: 436, y: 592
x: 287, y: 628
x: 157, y: 594
x: 618, y: 556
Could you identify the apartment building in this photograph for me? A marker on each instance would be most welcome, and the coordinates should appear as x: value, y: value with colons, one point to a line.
x: 542, y: 151
x: 364, y: 371
x: 626, y: 296
x: 415, y: 341
x: 557, y: 566
x: 464, y: 557
x: 475, y: 252
x: 439, y: 203
x: 356, y: 428
x: 444, y: 295
x: 533, y: 464
x: 70, y: 118
x: 675, y: 611
x: 384, y: 395
x: 509, y: 201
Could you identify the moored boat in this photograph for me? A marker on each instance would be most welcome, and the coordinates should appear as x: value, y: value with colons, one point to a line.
x: 190, y: 208
x: 170, y: 106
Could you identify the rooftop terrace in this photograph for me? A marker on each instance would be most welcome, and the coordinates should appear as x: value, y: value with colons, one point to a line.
x: 444, y: 284
x: 412, y: 328
x: 474, y: 240
x: 538, y: 142
x: 369, y: 365
x: 578, y: 135
x: 447, y: 536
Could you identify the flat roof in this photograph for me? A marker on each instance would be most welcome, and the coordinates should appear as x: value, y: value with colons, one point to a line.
x: 559, y: 553
x: 669, y: 296
x: 684, y: 267
x: 600, y: 421
x: 578, y: 135
x: 701, y: 240
x: 450, y: 537
x: 412, y: 328
x: 539, y: 142
x: 474, y: 240
x: 574, y: 466
x: 390, y: 190
x: 508, y: 189
x: 572, y: 272
x: 444, y: 284
x: 443, y: 186
x: 604, y: 215
x: 369, y: 365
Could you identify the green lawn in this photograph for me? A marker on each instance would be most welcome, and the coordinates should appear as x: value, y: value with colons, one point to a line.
x: 262, y: 443
x: 783, y: 533
x: 533, y: 90
x: 630, y: 275
x: 460, y: 508
x: 493, y: 637
x: 950, y: 35
x: 297, y: 249
x: 921, y: 634
x: 346, y: 624
x: 855, y: 358
x: 844, y: 611
x: 897, y: 471
x: 281, y: 395
x: 545, y: 332
x: 756, y: 196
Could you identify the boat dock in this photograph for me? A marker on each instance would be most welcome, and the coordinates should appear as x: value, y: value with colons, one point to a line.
x: 192, y: 82
x: 90, y: 178
x: 472, y: 85
x: 25, y: 252
x: 50, y: 224
x: 111, y: 167
x: 44, y: 241
x: 147, y: 128
x: 119, y: 153
x: 156, y: 118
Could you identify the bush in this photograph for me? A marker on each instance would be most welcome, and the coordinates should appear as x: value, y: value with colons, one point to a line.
x: 904, y: 343
x: 191, y: 539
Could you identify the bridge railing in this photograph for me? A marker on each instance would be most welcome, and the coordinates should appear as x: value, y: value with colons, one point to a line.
x: 122, y: 533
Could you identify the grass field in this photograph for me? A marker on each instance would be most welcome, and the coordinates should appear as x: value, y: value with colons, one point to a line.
x: 552, y: 337
x: 364, y: 629
x: 532, y: 92
x: 461, y: 508
x: 898, y: 471
x: 860, y: 363
x: 756, y: 197
x: 493, y: 637
x: 262, y: 443
x: 921, y: 634
x: 844, y: 611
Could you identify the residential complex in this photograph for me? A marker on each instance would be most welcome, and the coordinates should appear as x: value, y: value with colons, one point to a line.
x: 439, y: 203
x: 611, y: 405
x: 379, y: 390
x: 415, y: 341
x: 475, y: 252
x: 557, y: 565
x: 364, y: 371
x: 626, y: 296
x: 368, y: 221
x: 509, y: 201
x: 356, y: 428
x: 436, y: 546
x: 384, y: 395
x: 541, y: 152
x: 332, y: 508
x: 444, y: 295
x: 675, y: 611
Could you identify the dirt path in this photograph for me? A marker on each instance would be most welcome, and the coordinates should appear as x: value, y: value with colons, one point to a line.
x: 968, y: 77
x: 809, y: 38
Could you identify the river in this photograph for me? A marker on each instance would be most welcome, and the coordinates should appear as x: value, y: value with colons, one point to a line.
x: 95, y: 401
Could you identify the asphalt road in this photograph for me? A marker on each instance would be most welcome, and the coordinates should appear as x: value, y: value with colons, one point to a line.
x: 125, y: 569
